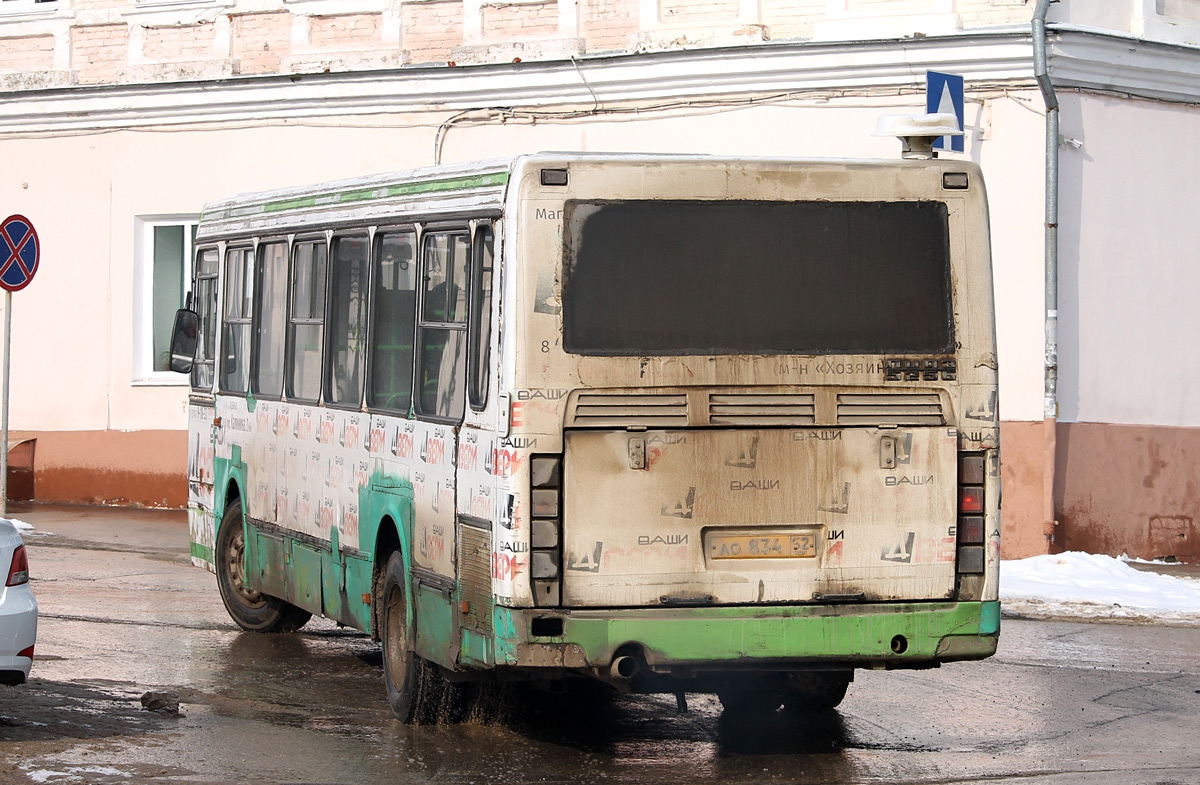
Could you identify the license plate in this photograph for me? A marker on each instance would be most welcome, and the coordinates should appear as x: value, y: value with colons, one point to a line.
x: 762, y: 546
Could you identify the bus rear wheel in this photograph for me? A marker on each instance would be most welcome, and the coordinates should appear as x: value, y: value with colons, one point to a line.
x: 251, y: 610
x: 809, y: 692
x: 416, y: 690
x: 751, y: 696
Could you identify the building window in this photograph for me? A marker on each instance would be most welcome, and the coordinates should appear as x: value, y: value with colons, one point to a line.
x: 26, y: 6
x: 162, y: 274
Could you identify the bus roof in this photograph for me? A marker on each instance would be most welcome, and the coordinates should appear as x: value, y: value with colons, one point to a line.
x: 428, y: 193
x: 442, y: 192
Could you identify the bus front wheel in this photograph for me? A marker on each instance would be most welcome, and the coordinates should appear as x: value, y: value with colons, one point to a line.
x: 414, y: 687
x: 251, y: 610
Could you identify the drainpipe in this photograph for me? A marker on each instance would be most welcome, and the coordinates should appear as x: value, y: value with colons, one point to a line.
x: 1050, y: 404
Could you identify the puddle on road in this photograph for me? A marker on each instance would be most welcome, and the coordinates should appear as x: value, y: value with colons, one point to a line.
x: 310, y: 708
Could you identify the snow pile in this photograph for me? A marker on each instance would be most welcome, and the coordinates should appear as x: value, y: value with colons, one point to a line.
x: 1088, y: 586
x: 22, y: 526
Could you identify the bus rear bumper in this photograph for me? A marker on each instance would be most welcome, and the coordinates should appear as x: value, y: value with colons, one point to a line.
x: 680, y: 641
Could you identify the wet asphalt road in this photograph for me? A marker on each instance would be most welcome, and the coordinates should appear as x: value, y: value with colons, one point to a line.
x: 124, y: 613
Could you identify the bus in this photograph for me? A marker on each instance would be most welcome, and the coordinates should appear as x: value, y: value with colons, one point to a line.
x: 672, y: 423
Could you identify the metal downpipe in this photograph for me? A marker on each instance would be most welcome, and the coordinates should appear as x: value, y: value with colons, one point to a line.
x: 1050, y: 402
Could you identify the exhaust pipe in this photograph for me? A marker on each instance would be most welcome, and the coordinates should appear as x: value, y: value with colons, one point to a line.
x: 624, y: 667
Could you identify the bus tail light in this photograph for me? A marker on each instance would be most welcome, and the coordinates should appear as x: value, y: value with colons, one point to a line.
x: 970, y: 500
x: 970, y: 529
x: 545, y: 535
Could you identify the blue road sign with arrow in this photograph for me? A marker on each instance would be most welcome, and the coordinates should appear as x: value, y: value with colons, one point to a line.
x: 944, y: 95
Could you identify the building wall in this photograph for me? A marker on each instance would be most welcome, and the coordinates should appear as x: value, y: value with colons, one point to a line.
x: 1012, y: 158
x: 117, y: 133
x: 120, y: 176
x: 106, y: 41
x: 1129, y: 382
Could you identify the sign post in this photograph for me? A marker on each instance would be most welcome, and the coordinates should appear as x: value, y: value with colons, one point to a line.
x: 20, y: 247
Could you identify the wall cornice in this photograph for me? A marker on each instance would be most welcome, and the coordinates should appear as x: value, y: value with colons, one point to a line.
x: 619, y: 79
x: 1078, y: 58
x: 1091, y: 59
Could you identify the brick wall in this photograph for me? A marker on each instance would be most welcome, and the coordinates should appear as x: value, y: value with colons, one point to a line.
x: 35, y: 53
x: 608, y: 25
x: 698, y: 12
x: 260, y: 41
x: 518, y: 21
x: 183, y: 42
x: 787, y: 19
x: 885, y: 7
x: 432, y: 30
x: 98, y: 52
x: 98, y: 5
x: 354, y: 31
x: 985, y: 13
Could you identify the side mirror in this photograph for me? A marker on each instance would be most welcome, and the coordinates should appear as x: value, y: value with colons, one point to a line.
x: 183, y: 340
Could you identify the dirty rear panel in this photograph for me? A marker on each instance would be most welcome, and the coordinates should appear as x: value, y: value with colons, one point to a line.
x: 700, y: 517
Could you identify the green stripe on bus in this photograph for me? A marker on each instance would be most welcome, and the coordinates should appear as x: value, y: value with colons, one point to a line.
x: 202, y: 552
x: 695, y: 636
x: 989, y: 622
x: 386, y: 191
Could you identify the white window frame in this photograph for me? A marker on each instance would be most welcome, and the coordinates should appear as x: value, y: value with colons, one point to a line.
x: 30, y: 7
x: 143, y: 295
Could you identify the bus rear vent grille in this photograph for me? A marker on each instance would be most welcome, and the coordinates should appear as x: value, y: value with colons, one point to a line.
x: 652, y: 411
x: 761, y: 409
x: 475, y: 583
x: 890, y: 409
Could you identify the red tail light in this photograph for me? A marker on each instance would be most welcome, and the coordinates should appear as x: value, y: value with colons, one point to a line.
x: 18, y: 572
x: 970, y: 500
x: 972, y: 560
x: 26, y: 653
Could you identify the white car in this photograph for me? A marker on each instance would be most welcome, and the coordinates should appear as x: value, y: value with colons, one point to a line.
x: 18, y: 608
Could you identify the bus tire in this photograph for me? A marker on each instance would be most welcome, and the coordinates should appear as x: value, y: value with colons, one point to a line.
x: 414, y: 687
x: 751, y: 697
x: 809, y: 692
x: 251, y: 610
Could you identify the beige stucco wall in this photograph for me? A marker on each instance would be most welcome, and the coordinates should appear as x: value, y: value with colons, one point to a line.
x: 75, y: 372
x: 1129, y: 281
x: 1128, y: 328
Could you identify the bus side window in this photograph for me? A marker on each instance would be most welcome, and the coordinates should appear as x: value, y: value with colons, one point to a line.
x: 268, y: 359
x: 394, y: 312
x: 482, y: 255
x: 442, y: 361
x: 306, y: 329
x: 348, y: 319
x: 205, y: 303
x: 239, y: 307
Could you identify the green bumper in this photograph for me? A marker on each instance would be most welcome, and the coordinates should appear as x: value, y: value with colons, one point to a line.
x: 884, y: 635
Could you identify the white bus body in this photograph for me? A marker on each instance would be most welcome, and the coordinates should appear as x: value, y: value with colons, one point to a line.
x: 675, y: 422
